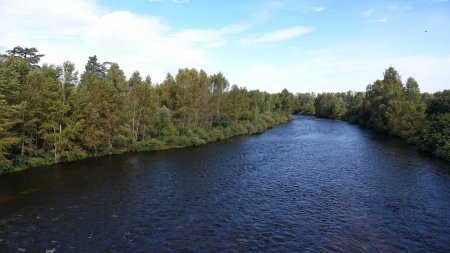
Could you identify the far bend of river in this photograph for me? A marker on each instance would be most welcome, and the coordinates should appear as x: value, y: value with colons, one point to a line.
x: 309, y: 185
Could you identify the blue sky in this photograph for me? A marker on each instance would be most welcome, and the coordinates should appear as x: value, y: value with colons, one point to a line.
x: 302, y: 45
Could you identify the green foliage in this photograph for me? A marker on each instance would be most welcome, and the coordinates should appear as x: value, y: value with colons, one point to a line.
x: 202, y: 134
x: 94, y: 68
x: 50, y: 115
x: 354, y: 103
x: 183, y: 141
x: 329, y: 105
x: 436, y: 136
x: 38, y: 161
x: 221, y: 121
x: 306, y: 103
x: 148, y: 145
x: 216, y: 134
x: 238, y: 128
x: 28, y: 54
x: 390, y: 107
x: 438, y: 103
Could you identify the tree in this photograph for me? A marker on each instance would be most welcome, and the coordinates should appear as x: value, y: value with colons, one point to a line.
x: 167, y: 92
x: 287, y: 102
x: 328, y: 105
x: 93, y: 67
x: 306, y: 103
x: 28, y: 54
x: 438, y: 103
x: 68, y: 78
x: 354, y: 103
x: 143, y: 106
x: 238, y: 103
x: 57, y: 129
x: 219, y: 85
x: 436, y: 136
x: 383, y: 97
x: 115, y: 108
x: 17, y: 91
x: 8, y: 119
x: 406, y: 116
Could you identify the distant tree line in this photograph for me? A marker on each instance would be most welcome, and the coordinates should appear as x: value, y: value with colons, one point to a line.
x: 51, y: 114
x: 391, y: 107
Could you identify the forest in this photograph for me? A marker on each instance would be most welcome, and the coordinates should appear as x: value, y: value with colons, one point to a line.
x: 390, y: 107
x: 51, y: 113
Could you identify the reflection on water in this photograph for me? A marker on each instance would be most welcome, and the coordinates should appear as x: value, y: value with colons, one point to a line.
x: 309, y: 185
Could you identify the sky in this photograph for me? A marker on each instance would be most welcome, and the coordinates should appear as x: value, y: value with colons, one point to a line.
x: 301, y: 45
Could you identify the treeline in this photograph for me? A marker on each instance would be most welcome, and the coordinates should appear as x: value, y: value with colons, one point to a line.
x: 391, y: 107
x: 50, y: 114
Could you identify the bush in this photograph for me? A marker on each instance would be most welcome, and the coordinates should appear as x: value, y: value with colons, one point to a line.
x: 238, y: 129
x: 76, y: 155
x: 248, y: 116
x: 228, y: 132
x: 148, y: 145
x: 202, y: 134
x: 216, y: 134
x: 221, y: 121
x: 169, y: 130
x: 250, y: 127
x: 38, y: 161
x: 435, y: 136
x: 183, y: 141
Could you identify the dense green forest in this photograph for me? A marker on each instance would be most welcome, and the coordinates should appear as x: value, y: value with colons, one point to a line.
x: 51, y: 114
x: 391, y: 107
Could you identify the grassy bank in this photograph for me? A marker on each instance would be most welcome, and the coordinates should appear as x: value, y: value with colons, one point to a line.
x: 182, y: 139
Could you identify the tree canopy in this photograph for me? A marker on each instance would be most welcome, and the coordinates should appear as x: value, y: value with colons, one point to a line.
x: 391, y: 107
x: 50, y: 114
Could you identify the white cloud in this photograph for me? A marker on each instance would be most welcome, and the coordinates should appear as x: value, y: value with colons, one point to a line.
x: 367, y: 13
x: 75, y: 29
x: 211, y: 37
x: 331, y: 73
x: 278, y: 35
x: 318, y: 9
x: 399, y: 8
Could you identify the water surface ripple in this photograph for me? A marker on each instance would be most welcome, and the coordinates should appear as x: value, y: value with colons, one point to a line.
x: 310, y: 185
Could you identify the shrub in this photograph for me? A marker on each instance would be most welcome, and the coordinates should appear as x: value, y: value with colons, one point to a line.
x: 169, y: 130
x: 238, y: 129
x: 216, y: 134
x: 148, y: 145
x: 183, y: 141
x: 202, y: 134
x: 221, y: 121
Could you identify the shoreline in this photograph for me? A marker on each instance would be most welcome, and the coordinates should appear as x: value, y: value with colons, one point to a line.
x: 161, y: 144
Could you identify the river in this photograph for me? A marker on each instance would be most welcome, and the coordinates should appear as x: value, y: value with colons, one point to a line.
x: 309, y: 185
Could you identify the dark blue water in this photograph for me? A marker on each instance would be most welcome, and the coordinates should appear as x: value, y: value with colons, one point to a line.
x: 309, y: 185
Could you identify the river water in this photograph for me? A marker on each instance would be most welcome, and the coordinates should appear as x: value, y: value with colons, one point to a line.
x: 310, y: 185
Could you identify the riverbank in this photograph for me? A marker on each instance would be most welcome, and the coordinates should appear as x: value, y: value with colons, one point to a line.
x: 190, y: 138
x: 390, y: 107
x: 417, y: 142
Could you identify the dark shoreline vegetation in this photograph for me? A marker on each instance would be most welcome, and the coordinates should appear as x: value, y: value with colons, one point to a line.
x: 51, y: 114
x: 390, y: 107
